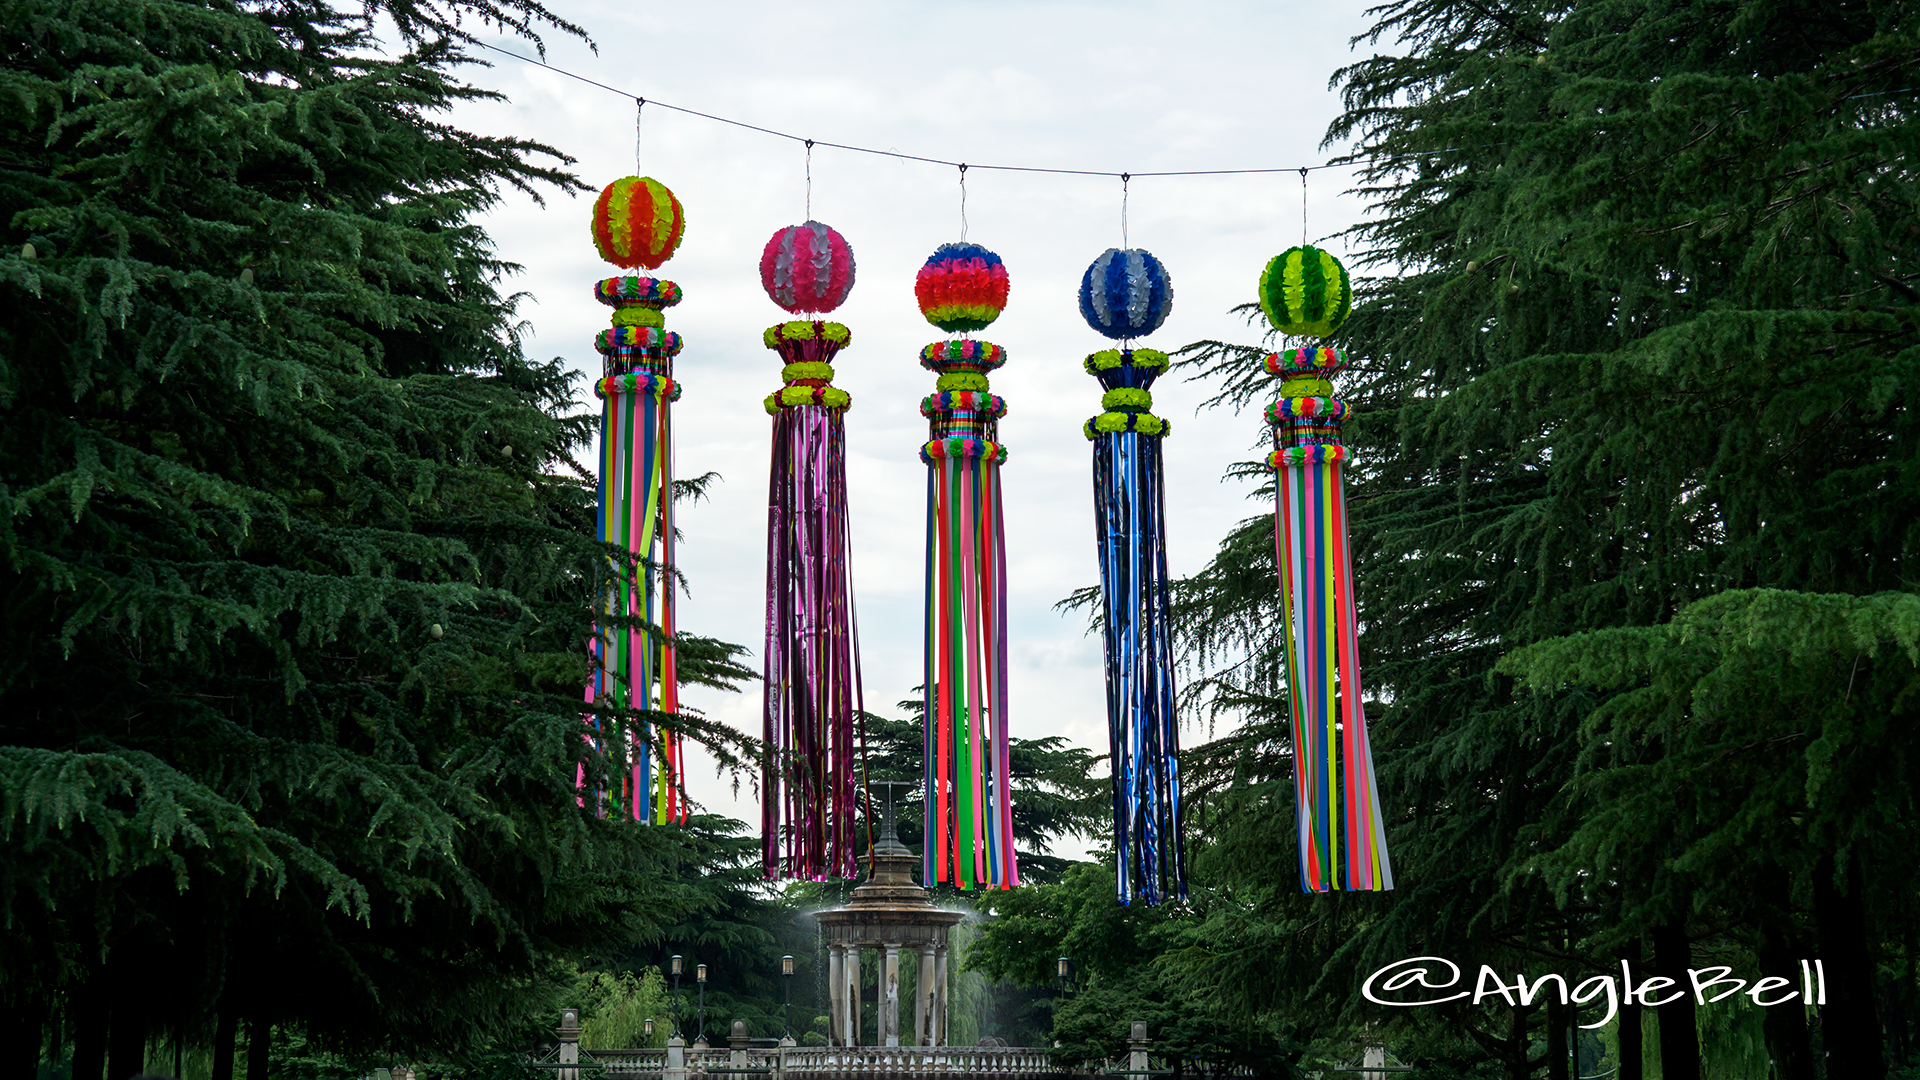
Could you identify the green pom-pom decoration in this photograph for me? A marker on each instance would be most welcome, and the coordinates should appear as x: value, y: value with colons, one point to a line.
x: 1107, y: 359
x: 961, y: 380
x: 812, y: 369
x: 801, y: 330
x: 639, y: 316
x: 1110, y: 422
x: 1126, y: 398
x: 1306, y: 292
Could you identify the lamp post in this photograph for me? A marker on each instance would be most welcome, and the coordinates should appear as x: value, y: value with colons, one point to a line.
x: 676, y: 995
x: 786, y: 977
x: 647, y: 1026
x: 700, y: 976
x: 1064, y: 975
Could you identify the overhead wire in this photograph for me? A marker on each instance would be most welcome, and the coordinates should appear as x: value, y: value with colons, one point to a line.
x: 963, y: 166
x: 640, y: 101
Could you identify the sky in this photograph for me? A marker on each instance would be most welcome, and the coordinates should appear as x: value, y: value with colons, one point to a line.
x: 1119, y: 85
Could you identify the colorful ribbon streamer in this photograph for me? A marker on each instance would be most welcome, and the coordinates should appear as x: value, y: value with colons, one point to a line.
x: 1129, y: 507
x: 812, y: 703
x: 967, y: 766
x: 633, y: 668
x: 1332, y: 764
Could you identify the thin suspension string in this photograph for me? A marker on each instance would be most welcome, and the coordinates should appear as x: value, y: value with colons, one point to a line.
x: 1125, y: 180
x: 963, y: 204
x: 1303, y: 208
x: 639, y: 109
x: 895, y: 153
x: 809, y: 216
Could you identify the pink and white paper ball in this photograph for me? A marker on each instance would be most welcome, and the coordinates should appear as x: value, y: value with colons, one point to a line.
x: 807, y: 268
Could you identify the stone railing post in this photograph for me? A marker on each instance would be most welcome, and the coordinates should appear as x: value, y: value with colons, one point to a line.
x: 676, y: 1059
x: 1374, y: 1060
x: 737, y: 1045
x: 569, y: 1033
x: 1137, y: 1044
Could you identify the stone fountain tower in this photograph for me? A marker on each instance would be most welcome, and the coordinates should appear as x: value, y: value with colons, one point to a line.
x: 890, y: 914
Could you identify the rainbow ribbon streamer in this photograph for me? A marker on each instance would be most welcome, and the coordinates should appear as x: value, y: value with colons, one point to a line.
x: 1332, y: 764
x: 812, y: 703
x: 1129, y: 507
x: 633, y: 668
x: 967, y: 766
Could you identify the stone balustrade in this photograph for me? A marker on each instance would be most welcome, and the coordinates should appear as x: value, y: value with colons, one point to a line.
x: 876, y: 1062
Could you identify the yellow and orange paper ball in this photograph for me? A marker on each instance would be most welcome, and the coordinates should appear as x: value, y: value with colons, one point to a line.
x: 637, y: 222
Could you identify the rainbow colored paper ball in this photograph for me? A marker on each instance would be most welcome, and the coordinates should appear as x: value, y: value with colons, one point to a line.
x: 962, y: 288
x: 637, y: 222
x: 807, y: 268
x: 1126, y: 293
x: 1305, y: 292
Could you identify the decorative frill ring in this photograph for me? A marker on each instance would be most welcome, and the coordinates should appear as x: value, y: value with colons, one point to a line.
x: 632, y: 291
x: 637, y: 382
x: 1311, y: 454
x: 948, y: 401
x: 1320, y: 361
x: 1326, y: 409
x: 966, y: 352
x: 963, y: 446
x: 649, y: 339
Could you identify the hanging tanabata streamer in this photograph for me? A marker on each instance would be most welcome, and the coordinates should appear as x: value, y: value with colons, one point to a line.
x: 1305, y: 293
x: 637, y: 223
x: 969, y: 838
x: 812, y: 702
x: 1127, y: 294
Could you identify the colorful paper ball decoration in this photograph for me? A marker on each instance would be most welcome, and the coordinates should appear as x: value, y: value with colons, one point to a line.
x: 807, y: 268
x: 1126, y: 294
x: 637, y: 222
x: 962, y: 288
x: 1305, y: 292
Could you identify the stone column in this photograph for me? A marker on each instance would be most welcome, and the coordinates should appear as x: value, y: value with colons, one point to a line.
x: 836, y: 994
x: 889, y: 1033
x: 940, y: 995
x: 569, y: 1042
x: 853, y: 996
x: 923, y: 1000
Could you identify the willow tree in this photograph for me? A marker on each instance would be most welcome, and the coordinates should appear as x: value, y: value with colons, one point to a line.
x: 295, y: 576
x: 1646, y: 330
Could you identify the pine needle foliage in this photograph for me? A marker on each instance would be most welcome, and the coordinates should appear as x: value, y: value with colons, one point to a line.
x: 1644, y: 330
x: 295, y: 582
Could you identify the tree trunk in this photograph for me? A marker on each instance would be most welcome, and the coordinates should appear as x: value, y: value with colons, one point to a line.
x: 259, y: 1041
x: 1632, y: 1044
x: 1850, y: 1022
x: 1518, y: 1067
x: 1785, y: 1025
x: 1556, y: 1040
x: 87, y: 1012
x: 224, y: 1030
x: 127, y: 1037
x: 21, y: 1026
x: 1679, y: 1043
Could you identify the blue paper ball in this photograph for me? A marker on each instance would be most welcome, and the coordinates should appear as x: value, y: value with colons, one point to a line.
x: 1126, y: 294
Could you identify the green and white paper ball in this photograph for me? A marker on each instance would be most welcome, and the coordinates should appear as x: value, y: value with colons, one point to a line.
x: 1305, y: 292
